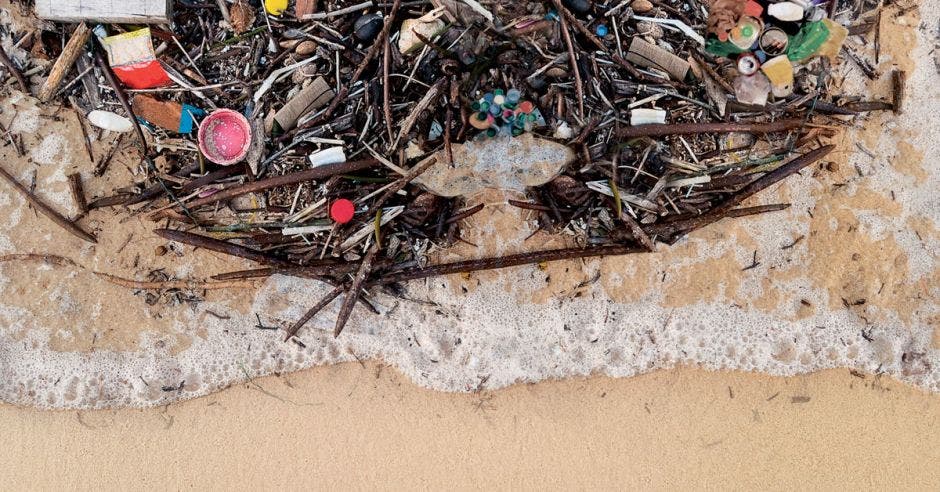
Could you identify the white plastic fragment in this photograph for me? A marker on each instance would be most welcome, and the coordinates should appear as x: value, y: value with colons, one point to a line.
x: 427, y: 26
x: 647, y: 116
x: 110, y: 121
x: 332, y: 155
x: 679, y: 183
x: 675, y: 24
x: 293, y: 231
x: 603, y: 188
x: 785, y: 11
x: 563, y: 132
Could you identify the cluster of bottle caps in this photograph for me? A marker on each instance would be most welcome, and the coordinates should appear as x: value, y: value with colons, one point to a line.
x: 503, y: 113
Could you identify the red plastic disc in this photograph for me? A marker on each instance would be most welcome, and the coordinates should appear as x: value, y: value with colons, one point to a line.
x: 342, y: 210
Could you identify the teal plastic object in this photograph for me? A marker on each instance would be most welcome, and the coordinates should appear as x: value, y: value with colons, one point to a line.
x: 807, y: 42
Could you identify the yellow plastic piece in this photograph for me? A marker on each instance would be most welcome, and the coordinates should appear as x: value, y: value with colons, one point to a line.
x: 831, y: 47
x: 275, y: 7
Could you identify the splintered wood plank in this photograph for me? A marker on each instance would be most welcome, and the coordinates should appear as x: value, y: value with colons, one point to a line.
x: 115, y: 11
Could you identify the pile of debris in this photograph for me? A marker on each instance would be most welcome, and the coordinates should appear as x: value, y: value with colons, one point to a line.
x: 337, y: 140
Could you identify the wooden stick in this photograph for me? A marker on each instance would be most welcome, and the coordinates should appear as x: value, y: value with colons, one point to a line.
x: 387, y: 90
x: 423, y: 104
x: 723, y: 209
x: 578, y: 86
x: 81, y: 126
x: 333, y: 294
x: 352, y: 295
x: 503, y: 262
x: 318, y: 172
x: 176, y: 284
x: 695, y: 128
x: 7, y: 62
x: 56, y: 217
x: 112, y: 80
x: 63, y: 64
x: 370, y: 55
x: 225, y: 247
x: 78, y: 192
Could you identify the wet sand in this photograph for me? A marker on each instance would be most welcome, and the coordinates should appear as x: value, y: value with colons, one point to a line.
x: 357, y: 426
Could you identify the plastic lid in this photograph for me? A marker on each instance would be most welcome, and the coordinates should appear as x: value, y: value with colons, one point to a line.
x: 747, y: 31
x: 342, y: 211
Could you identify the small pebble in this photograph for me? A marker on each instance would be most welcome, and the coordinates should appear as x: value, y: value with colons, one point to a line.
x: 305, y: 48
x: 368, y: 27
x: 577, y: 6
x: 641, y: 6
x: 537, y: 83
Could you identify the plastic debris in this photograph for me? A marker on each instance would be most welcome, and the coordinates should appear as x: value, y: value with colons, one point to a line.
x: 405, y: 123
x: 110, y: 121
x: 649, y: 55
x: 752, y: 89
x: 748, y: 64
x: 224, y: 137
x: 831, y: 47
x: 774, y: 41
x: 316, y: 95
x: 331, y: 155
x: 342, y: 211
x: 786, y: 11
x: 504, y: 113
x: 169, y: 115
x: 779, y: 72
x: 132, y: 58
x: 275, y: 7
x: 645, y: 116
x: 427, y: 26
x: 745, y: 33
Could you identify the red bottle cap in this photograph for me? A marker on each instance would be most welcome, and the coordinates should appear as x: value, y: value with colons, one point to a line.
x: 342, y: 210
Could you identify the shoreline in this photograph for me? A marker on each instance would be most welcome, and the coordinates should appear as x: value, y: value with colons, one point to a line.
x: 672, y: 428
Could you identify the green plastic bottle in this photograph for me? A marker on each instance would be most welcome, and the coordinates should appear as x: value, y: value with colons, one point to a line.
x: 721, y: 48
x: 807, y: 42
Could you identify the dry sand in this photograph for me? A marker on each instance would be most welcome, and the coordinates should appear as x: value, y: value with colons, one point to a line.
x: 352, y: 426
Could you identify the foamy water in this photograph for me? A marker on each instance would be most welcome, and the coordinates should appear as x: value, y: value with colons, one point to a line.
x: 493, y: 335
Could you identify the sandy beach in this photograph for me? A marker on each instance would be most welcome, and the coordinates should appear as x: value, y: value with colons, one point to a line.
x: 478, y: 381
x: 367, y: 426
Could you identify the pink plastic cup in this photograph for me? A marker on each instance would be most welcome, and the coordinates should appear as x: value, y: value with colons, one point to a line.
x: 224, y: 137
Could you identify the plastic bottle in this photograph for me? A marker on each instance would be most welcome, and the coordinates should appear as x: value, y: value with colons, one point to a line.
x: 808, y: 41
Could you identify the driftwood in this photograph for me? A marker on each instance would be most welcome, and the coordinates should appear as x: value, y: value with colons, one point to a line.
x: 107, y: 11
x: 73, y: 49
